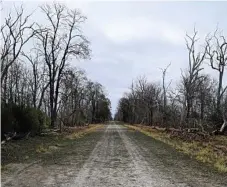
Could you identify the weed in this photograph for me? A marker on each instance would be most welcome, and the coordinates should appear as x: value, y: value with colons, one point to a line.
x: 41, y: 149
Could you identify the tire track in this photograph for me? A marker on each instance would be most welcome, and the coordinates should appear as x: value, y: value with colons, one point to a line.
x: 116, y: 161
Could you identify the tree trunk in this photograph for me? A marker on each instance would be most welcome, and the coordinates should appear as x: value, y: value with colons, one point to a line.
x: 151, y: 117
x: 52, y: 112
x: 223, y: 127
x: 202, y: 109
x: 219, y: 90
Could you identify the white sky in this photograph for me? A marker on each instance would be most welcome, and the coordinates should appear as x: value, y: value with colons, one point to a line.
x: 129, y: 39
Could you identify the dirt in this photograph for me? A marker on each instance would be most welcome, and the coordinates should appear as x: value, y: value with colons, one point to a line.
x: 115, y: 156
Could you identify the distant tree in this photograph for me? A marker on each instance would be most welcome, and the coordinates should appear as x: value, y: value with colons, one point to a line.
x: 217, y: 56
x: 192, y: 77
x: 165, y: 89
x: 197, y: 99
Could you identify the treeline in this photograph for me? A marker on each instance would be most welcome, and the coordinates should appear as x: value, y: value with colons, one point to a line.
x: 198, y: 101
x: 39, y: 88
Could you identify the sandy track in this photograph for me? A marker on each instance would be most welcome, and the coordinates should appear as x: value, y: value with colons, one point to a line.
x: 116, y: 161
x: 121, y: 157
x: 119, y: 160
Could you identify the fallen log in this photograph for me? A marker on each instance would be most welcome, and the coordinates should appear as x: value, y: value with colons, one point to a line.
x: 21, y: 136
x: 8, y: 137
x: 15, y: 136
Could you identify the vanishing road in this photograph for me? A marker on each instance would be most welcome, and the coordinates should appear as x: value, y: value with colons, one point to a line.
x: 116, y: 156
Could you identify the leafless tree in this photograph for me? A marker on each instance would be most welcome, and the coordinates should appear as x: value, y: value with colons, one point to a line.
x: 72, y: 94
x: 38, y: 82
x: 15, y: 33
x: 193, y: 103
x: 165, y: 88
x: 142, y: 104
x: 62, y: 40
x: 192, y: 76
x: 217, y: 56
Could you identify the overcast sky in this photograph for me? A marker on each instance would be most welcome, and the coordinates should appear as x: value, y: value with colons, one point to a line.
x: 129, y: 39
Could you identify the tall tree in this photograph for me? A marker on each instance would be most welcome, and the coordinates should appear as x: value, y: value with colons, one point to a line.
x: 217, y: 56
x: 38, y: 82
x: 62, y: 40
x: 16, y: 31
x: 192, y: 76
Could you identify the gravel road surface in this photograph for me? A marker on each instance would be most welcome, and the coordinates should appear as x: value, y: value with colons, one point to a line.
x: 116, y: 156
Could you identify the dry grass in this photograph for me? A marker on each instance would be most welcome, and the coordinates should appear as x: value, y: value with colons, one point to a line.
x: 213, y: 150
x: 41, y: 148
x: 38, y: 146
x: 83, y: 132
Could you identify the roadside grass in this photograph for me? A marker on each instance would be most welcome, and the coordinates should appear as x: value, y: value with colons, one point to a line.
x: 212, y: 151
x: 41, y: 147
x: 82, y: 133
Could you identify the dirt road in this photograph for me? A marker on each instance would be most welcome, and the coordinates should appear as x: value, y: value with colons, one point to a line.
x: 116, y: 156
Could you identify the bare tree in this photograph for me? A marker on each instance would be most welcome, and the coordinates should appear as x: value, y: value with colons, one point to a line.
x: 164, y: 87
x: 141, y: 104
x: 38, y: 81
x: 15, y: 33
x: 194, y: 101
x: 192, y: 76
x: 217, y: 55
x: 73, y: 93
x: 39, y: 86
x: 62, y: 40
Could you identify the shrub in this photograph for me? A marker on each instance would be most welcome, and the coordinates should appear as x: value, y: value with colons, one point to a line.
x: 7, y: 120
x: 217, y: 119
x: 22, y: 119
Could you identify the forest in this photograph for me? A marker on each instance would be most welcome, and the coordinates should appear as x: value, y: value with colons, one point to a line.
x: 40, y: 86
x: 198, y: 102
